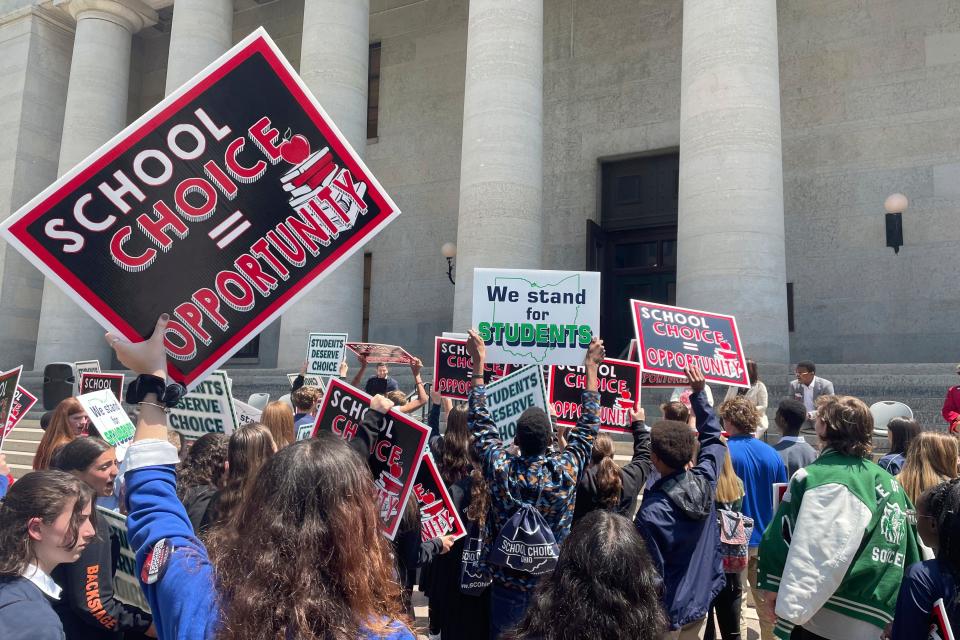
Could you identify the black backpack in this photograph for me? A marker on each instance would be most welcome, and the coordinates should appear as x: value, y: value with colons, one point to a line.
x: 525, y: 542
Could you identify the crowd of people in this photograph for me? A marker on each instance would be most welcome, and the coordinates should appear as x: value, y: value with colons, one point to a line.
x: 275, y: 532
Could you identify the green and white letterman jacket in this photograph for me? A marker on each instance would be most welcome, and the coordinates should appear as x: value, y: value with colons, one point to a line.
x: 836, y: 550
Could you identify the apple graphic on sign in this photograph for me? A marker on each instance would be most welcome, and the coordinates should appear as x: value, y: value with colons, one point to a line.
x: 295, y: 149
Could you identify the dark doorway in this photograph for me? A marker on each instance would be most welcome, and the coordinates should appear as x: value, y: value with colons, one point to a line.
x: 635, y: 246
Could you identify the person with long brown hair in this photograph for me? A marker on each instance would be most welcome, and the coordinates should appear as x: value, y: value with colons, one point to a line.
x: 249, y: 449
x: 606, y: 485
x: 931, y: 459
x: 68, y: 421
x: 305, y: 558
x: 200, y: 476
x: 902, y: 432
x: 278, y: 418
x: 46, y: 519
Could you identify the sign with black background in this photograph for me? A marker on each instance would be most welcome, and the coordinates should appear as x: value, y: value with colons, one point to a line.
x: 619, y: 387
x: 452, y: 368
x: 395, y: 453
x: 90, y: 382
x: 247, y: 133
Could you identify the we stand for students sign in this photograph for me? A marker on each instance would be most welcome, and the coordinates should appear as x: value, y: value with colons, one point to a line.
x: 536, y: 317
x: 222, y: 205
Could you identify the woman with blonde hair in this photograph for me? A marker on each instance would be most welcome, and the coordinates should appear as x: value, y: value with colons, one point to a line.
x: 68, y: 422
x: 931, y: 459
x: 278, y: 418
x: 726, y: 605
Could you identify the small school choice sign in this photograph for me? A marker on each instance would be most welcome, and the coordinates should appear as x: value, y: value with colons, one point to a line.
x: 452, y: 368
x: 222, y: 205
x: 511, y: 395
x: 536, y: 317
x: 670, y: 339
x: 396, y: 451
x: 107, y: 415
x: 618, y: 383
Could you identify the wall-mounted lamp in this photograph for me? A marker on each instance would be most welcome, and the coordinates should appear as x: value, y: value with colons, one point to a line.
x: 449, y: 251
x: 895, y: 204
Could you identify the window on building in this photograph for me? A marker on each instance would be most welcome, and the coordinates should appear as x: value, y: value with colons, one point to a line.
x: 367, y: 277
x: 373, y: 92
x: 790, y: 325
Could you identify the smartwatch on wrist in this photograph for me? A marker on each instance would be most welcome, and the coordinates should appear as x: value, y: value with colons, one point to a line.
x: 167, y: 394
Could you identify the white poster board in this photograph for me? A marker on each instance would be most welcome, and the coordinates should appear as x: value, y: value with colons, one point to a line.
x: 246, y: 414
x: 513, y: 394
x: 206, y: 409
x: 325, y: 353
x: 111, y: 421
x: 536, y: 317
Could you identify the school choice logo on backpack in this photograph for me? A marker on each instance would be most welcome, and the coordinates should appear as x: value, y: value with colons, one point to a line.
x: 526, y: 543
x: 222, y: 205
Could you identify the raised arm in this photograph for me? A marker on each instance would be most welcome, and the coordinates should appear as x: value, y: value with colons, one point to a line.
x: 638, y: 469
x: 422, y: 395
x: 581, y: 437
x: 710, y: 459
x: 486, y: 438
x: 363, y: 367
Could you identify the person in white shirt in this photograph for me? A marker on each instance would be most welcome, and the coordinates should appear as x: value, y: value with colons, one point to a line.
x: 757, y: 394
x: 807, y: 388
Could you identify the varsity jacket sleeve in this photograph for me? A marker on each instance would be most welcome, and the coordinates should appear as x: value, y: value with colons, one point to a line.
x: 180, y: 588
x: 636, y: 472
x: 581, y: 437
x: 830, y: 526
x: 951, y: 408
x: 486, y: 439
x: 88, y: 590
x: 712, y: 449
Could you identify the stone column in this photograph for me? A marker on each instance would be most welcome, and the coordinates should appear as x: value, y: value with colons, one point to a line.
x: 335, y: 68
x: 730, y: 235
x: 201, y: 32
x: 501, y: 162
x: 96, y: 110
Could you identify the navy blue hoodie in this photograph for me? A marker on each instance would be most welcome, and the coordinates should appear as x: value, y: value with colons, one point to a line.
x: 678, y: 521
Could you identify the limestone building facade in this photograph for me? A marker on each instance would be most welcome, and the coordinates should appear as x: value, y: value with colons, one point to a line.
x: 719, y: 154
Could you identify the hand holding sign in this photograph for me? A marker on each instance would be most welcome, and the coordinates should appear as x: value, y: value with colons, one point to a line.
x: 695, y: 376
x: 146, y: 357
x: 595, y: 354
x: 381, y: 404
x: 477, y: 350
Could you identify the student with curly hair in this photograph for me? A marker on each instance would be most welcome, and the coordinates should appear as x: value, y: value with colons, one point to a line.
x: 591, y: 593
x: 938, y: 521
x: 200, y: 476
x: 306, y: 558
x: 46, y: 519
x: 833, y: 557
x: 759, y: 466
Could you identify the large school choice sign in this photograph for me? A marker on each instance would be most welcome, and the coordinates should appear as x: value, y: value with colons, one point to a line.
x: 208, y: 408
x: 536, y: 317
x: 511, y: 395
x: 438, y: 515
x: 395, y: 454
x: 452, y: 367
x: 222, y: 205
x: 669, y: 339
x: 126, y: 583
x: 9, y: 385
x: 618, y: 382
x: 324, y: 353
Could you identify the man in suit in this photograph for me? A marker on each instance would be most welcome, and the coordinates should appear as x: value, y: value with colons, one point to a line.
x: 807, y: 388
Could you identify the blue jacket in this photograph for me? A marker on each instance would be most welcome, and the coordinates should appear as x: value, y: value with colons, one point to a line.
x: 758, y: 465
x: 183, y: 599
x: 678, y: 521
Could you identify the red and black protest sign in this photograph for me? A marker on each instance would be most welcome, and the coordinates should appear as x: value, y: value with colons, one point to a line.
x: 23, y: 401
x: 438, y: 514
x: 90, y: 382
x: 395, y: 453
x: 222, y: 205
x: 9, y: 384
x: 653, y: 380
x: 619, y: 387
x: 452, y: 368
x: 669, y: 339
x: 380, y: 353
